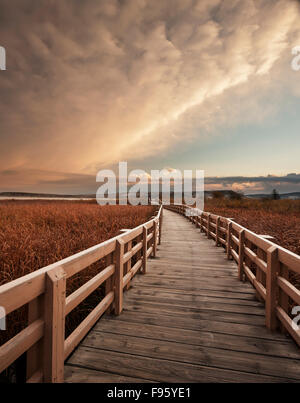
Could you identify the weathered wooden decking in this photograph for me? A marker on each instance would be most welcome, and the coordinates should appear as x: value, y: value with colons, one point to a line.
x: 189, y: 319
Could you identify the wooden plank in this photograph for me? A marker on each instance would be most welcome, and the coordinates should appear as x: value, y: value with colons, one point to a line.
x: 183, y: 268
x: 118, y: 277
x: 272, y: 288
x: 109, y: 283
x: 132, y: 272
x: 261, y: 291
x: 37, y: 377
x: 251, y: 344
x: 189, y: 320
x: 198, y: 355
x: 19, y: 292
x: 86, y: 289
x: 228, y: 241
x: 260, y: 274
x: 235, y: 255
x: 249, y: 274
x: 20, y: 343
x: 74, y: 264
x: 53, y: 348
x: 291, y: 260
x: 145, y: 247
x: 289, y: 289
x: 208, y: 226
x: 160, y: 370
x: 288, y: 324
x: 35, y: 353
x: 213, y: 282
x: 130, y: 235
x: 283, y: 298
x: 262, y: 243
x: 77, y: 335
x: 194, y: 308
x: 170, y: 296
x: 139, y: 254
x: 132, y: 251
x: 203, y: 292
x: 149, y: 236
x: 217, y: 230
x: 197, y: 314
x: 155, y: 233
x: 206, y: 324
x: 160, y: 225
x: 241, y: 254
x: 235, y: 239
x: 75, y: 374
x: 149, y: 251
x: 210, y: 274
x: 256, y: 259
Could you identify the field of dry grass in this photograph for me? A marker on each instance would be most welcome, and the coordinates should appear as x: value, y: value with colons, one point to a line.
x: 278, y: 218
x: 34, y: 234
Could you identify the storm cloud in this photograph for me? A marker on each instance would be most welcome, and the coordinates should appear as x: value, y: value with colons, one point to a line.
x: 91, y: 83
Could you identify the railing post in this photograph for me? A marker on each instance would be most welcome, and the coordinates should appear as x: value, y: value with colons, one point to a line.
x: 145, y: 234
x: 241, y: 254
x: 197, y: 220
x: 201, y: 222
x: 208, y: 225
x: 127, y: 265
x: 34, y: 355
x: 273, y: 267
x: 228, y: 243
x: 54, y: 316
x: 259, y: 275
x: 154, y: 239
x: 283, y: 298
x: 217, y: 230
x: 118, y: 278
x: 194, y: 220
x: 109, y: 286
x: 160, y: 226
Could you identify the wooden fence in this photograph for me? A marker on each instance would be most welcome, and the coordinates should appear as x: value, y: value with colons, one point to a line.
x: 43, y: 340
x: 266, y: 265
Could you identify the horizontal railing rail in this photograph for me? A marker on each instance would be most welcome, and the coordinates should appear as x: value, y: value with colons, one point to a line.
x: 44, y: 292
x: 266, y: 265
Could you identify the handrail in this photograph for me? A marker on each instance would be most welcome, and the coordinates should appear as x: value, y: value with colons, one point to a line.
x: 265, y: 264
x: 44, y: 291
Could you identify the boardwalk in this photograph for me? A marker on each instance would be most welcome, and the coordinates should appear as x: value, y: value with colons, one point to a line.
x: 189, y: 319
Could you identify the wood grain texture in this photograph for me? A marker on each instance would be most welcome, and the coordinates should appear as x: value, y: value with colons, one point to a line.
x: 189, y: 319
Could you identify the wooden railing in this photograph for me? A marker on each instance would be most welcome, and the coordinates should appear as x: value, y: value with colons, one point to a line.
x: 265, y: 264
x: 43, y: 340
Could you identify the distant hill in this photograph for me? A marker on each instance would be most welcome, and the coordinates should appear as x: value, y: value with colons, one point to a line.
x: 209, y: 194
x: 291, y: 196
x: 223, y: 193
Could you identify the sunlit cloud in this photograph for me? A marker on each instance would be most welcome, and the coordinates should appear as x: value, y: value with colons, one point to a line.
x: 92, y: 83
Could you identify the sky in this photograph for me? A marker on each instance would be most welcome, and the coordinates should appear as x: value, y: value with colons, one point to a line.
x: 177, y: 84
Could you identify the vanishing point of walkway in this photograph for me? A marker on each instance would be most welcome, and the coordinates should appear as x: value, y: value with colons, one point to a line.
x: 189, y: 319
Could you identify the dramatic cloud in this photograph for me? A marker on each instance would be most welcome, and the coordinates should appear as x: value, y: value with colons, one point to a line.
x: 67, y: 183
x: 94, y: 82
x: 260, y: 184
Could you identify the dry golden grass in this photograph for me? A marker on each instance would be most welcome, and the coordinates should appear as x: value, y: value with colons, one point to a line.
x: 34, y: 234
x: 278, y: 218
